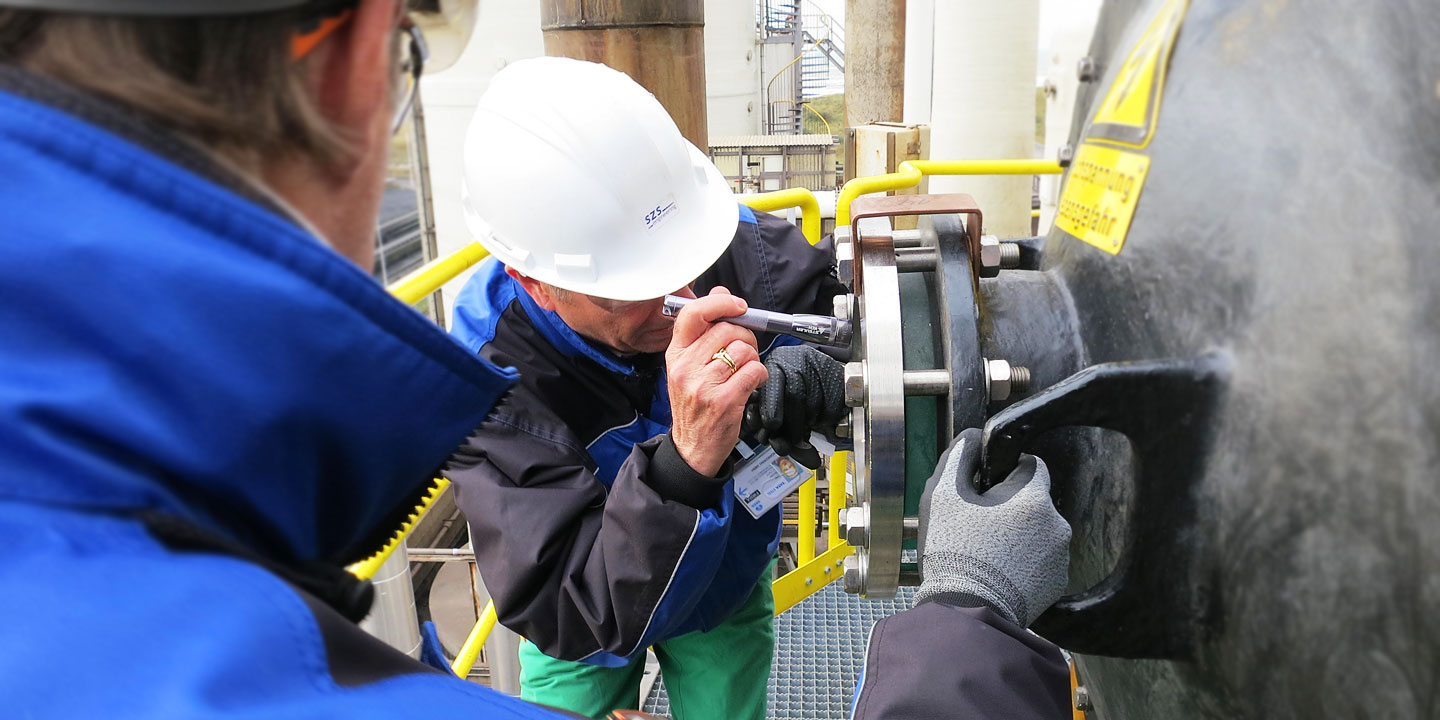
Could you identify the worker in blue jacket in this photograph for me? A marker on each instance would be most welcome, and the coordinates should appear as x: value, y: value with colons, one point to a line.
x: 601, y: 495
x: 207, y: 408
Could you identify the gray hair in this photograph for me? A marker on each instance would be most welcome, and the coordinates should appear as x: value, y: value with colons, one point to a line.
x: 227, y: 83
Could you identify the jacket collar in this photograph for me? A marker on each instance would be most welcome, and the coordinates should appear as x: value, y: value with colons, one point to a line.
x: 186, y: 348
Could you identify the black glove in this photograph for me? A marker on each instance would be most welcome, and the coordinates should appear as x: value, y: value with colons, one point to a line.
x: 805, y: 392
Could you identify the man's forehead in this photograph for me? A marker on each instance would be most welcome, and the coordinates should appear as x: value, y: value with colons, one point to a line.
x: 616, y: 305
x: 619, y: 305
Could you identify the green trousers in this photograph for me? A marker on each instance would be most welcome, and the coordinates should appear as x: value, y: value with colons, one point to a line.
x: 721, y: 674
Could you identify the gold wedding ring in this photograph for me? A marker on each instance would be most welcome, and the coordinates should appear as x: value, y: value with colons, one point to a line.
x: 722, y: 354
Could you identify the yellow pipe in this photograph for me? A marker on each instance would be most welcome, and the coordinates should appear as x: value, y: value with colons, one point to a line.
x: 807, y: 520
x: 366, y: 569
x: 428, y: 279
x: 793, y: 197
x: 909, y: 173
x: 478, y: 635
x: 806, y: 105
x: 838, y: 466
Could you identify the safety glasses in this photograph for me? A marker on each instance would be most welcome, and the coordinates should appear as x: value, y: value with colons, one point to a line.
x: 413, y: 55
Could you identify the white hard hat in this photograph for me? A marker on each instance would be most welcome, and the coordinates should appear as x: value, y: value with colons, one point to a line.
x: 577, y: 177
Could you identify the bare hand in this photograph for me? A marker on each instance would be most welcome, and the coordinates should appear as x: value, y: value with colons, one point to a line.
x: 707, y: 398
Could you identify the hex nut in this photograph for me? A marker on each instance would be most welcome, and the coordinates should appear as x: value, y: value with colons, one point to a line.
x: 855, y: 383
x: 845, y: 263
x: 843, y: 428
x: 1066, y: 155
x: 856, y: 525
x: 1087, y: 70
x: 855, y: 574
x: 997, y: 379
x: 842, y: 306
x: 989, y: 256
x: 1082, y: 699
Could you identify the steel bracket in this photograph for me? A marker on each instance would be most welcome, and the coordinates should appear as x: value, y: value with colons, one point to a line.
x: 1147, y: 606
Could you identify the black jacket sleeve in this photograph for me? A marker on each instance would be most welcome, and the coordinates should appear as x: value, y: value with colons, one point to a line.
x: 773, y: 266
x: 573, y: 567
x: 941, y: 661
x: 578, y: 568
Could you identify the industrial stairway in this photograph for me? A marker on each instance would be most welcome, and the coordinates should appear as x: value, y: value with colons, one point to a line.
x: 818, y: 41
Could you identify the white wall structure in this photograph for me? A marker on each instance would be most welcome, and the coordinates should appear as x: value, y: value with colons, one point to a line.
x: 732, y: 68
x: 982, y: 101
x: 507, y: 32
x: 919, y: 60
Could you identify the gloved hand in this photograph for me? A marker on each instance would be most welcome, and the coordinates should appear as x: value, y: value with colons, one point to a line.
x: 805, y: 391
x: 1008, y: 549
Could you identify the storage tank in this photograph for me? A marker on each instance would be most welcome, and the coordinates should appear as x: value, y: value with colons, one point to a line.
x: 1232, y: 341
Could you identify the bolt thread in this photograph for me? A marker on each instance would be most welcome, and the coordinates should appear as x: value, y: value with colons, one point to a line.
x: 1019, y: 378
x: 1009, y: 255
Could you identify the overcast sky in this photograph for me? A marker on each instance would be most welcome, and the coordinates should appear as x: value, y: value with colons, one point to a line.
x: 1053, y: 14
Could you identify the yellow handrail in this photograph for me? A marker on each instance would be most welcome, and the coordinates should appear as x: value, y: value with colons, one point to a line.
x: 909, y: 173
x: 806, y: 105
x: 810, y: 225
x: 792, y: 197
x: 476, y: 640
x: 415, y: 286
x: 366, y: 569
x: 838, y: 468
x: 807, y: 520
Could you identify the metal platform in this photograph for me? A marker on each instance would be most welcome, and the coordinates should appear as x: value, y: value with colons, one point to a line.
x: 819, y: 650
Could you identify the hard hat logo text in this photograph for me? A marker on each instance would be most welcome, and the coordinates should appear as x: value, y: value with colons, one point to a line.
x: 662, y: 212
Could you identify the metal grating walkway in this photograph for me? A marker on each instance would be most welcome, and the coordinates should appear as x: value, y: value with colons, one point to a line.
x: 819, y: 649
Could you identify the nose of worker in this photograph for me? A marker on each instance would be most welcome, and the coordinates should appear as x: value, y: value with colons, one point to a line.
x: 658, y: 329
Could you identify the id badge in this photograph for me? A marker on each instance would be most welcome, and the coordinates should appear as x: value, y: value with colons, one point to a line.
x: 763, y: 478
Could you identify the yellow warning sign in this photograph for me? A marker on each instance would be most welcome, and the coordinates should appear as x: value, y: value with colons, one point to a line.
x: 1100, y: 195
x: 1127, y: 114
x: 1104, y: 183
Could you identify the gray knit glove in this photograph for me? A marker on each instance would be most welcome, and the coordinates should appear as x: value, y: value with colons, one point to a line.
x: 1007, y: 549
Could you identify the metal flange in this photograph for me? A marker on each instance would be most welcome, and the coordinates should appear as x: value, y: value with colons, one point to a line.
x: 880, y: 447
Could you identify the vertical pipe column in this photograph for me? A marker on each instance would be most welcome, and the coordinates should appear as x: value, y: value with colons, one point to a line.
x: 874, y: 61
x: 983, y: 101
x: 502, y: 648
x: 658, y: 43
x: 392, y: 617
x: 919, y: 60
